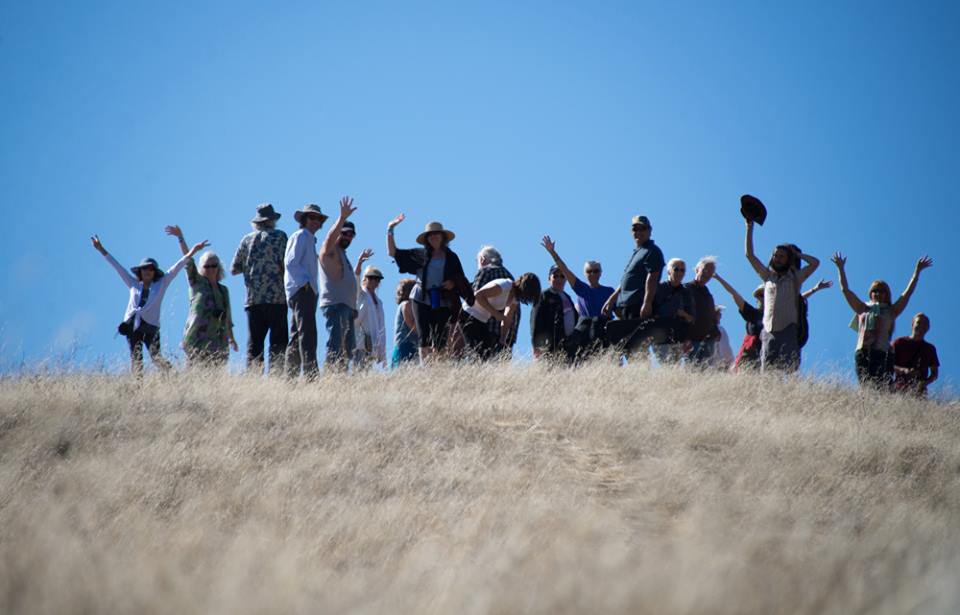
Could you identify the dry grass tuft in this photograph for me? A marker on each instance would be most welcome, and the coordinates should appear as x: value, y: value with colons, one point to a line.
x: 490, y: 490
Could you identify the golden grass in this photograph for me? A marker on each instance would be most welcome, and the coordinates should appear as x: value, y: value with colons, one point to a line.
x: 475, y: 490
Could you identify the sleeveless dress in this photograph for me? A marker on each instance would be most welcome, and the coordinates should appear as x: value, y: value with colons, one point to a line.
x: 405, y: 341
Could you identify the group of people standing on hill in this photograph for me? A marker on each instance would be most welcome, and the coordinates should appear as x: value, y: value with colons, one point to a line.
x: 440, y: 313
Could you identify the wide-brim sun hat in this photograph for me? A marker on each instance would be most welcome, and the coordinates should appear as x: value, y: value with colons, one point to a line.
x: 310, y: 208
x: 434, y: 227
x: 148, y: 262
x: 265, y: 213
x: 753, y: 209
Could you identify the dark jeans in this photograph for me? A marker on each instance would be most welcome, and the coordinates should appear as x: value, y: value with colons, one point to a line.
x: 591, y: 336
x: 302, y: 347
x: 341, y: 335
x: 480, y: 339
x: 701, y: 352
x: 634, y: 336
x: 149, y: 336
x: 261, y: 319
x: 874, y: 368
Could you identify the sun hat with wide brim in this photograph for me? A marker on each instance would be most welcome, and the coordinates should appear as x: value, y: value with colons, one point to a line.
x: 310, y: 208
x: 434, y: 227
x: 372, y: 272
x: 753, y: 209
x: 265, y: 213
x: 148, y: 262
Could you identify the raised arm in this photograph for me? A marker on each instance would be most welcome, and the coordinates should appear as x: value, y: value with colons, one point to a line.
x: 174, y: 230
x: 737, y: 298
x: 821, y: 285
x: 125, y: 275
x: 758, y: 266
x: 364, y: 257
x: 550, y: 246
x: 391, y: 245
x: 853, y: 300
x: 328, y: 250
x: 192, y: 273
x: 812, y: 263
x: 901, y: 303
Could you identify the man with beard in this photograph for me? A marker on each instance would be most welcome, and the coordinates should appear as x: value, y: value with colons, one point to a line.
x: 782, y: 278
x: 338, y: 289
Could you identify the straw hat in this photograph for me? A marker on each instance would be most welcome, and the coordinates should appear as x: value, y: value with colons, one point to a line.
x: 434, y: 227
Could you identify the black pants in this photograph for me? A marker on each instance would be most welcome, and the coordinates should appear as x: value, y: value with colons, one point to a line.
x: 874, y: 368
x: 302, y: 347
x: 591, y: 336
x: 433, y: 324
x: 479, y: 337
x: 261, y: 319
x: 149, y: 336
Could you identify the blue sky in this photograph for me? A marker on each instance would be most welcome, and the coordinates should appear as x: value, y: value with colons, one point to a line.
x: 504, y: 120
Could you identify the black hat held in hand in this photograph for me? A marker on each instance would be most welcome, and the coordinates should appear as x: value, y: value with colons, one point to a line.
x: 753, y: 209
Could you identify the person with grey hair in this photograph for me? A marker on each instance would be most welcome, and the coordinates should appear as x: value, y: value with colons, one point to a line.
x: 674, y: 310
x: 489, y: 268
x: 259, y: 258
x: 208, y: 334
x: 703, y: 332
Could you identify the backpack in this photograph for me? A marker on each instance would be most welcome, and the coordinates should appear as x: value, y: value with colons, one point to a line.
x: 803, y: 327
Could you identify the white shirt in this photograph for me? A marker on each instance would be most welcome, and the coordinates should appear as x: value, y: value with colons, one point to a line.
x: 150, y: 312
x: 722, y: 352
x: 499, y: 302
x: 370, y: 321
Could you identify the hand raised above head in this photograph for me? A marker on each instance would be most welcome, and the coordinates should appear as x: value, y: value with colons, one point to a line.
x: 346, y: 207
x: 838, y: 259
x: 548, y: 243
x: 924, y: 263
x: 822, y: 284
x: 203, y: 244
x: 365, y: 255
x: 396, y: 221
x: 174, y: 230
x: 95, y: 240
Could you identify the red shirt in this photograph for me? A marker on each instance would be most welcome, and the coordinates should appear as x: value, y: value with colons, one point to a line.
x: 918, y: 354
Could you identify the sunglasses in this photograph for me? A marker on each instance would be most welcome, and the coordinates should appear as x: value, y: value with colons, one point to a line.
x: 589, y: 271
x: 679, y: 268
x: 211, y: 265
x: 348, y: 233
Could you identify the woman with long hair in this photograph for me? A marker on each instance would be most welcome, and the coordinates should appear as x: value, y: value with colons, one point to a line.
x: 874, y: 321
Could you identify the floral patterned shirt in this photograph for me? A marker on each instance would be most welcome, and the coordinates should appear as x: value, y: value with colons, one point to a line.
x: 208, y: 321
x: 260, y: 258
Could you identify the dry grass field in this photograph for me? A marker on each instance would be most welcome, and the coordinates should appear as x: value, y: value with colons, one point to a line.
x: 466, y: 490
